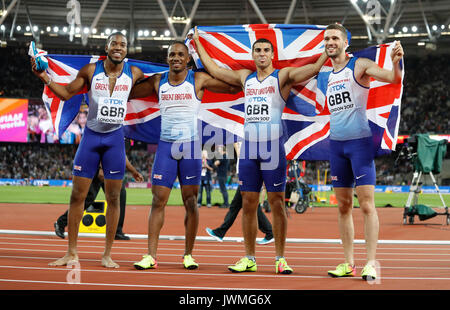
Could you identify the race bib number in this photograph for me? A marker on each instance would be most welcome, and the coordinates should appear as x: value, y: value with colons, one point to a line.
x: 111, y: 110
x: 257, y: 109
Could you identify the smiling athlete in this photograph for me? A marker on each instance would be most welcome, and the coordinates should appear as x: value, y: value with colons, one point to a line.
x: 180, y: 92
x: 109, y: 83
x: 262, y: 157
x: 352, y: 156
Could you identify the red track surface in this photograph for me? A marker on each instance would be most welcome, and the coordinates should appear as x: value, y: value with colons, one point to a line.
x: 405, y: 266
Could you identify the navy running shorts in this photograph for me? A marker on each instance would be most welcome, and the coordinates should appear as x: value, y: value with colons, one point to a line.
x: 262, y: 162
x: 105, y: 148
x: 177, y: 159
x: 352, y: 162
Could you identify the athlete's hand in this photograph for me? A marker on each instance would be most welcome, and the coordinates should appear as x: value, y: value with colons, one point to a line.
x: 397, y: 52
x: 40, y: 74
x: 195, y: 36
x: 138, y: 177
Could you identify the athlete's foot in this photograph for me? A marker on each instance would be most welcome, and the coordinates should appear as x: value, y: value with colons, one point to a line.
x: 65, y: 260
x: 108, y: 262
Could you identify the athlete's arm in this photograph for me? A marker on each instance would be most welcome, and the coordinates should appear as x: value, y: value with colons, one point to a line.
x: 144, y: 88
x: 371, y: 69
x: 136, y: 175
x: 216, y: 86
x: 297, y: 75
x: 137, y: 74
x: 65, y: 92
x: 229, y: 76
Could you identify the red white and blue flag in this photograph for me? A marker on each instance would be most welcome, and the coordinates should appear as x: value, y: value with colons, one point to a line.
x: 142, y: 119
x: 306, y: 116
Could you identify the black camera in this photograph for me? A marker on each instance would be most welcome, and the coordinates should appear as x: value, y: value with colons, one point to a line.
x: 408, y: 150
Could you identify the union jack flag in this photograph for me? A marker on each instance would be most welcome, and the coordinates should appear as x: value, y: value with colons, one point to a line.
x: 306, y: 116
x: 142, y: 121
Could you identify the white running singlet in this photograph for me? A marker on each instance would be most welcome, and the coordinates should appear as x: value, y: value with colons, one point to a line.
x: 347, y: 103
x: 179, y: 107
x: 107, y: 113
x: 264, y: 107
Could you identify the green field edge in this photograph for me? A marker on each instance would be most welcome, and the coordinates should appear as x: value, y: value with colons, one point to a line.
x: 143, y: 197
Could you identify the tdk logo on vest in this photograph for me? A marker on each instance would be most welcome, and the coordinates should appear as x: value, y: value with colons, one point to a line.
x: 112, y: 101
x: 339, y: 98
x: 337, y: 87
x: 257, y: 99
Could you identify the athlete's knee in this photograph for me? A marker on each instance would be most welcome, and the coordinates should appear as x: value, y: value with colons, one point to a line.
x: 250, y: 202
x: 367, y: 207
x: 190, y: 203
x: 345, y: 204
x: 365, y: 195
x: 158, y: 202
x: 77, y: 197
x: 113, y: 196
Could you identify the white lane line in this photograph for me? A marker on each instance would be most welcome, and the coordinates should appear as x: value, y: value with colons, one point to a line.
x: 288, y: 250
x: 291, y: 258
x: 197, y: 274
x: 199, y: 245
x: 236, y: 239
x: 184, y: 287
x: 217, y: 264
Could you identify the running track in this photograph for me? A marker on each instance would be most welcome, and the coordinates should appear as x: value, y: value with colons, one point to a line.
x: 410, y: 257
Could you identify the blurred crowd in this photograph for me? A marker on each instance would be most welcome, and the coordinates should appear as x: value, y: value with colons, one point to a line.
x: 17, y: 80
x: 54, y: 161
x: 426, y: 96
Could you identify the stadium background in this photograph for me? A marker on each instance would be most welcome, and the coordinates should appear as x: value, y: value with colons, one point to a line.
x: 422, y: 27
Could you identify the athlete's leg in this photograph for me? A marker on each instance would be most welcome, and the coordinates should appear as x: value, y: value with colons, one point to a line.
x: 112, y: 195
x: 189, y: 195
x: 189, y: 175
x: 251, y: 181
x: 366, y: 201
x: 156, y: 219
x: 80, y: 189
x: 344, y: 197
x: 275, y: 183
x: 363, y: 166
x: 250, y: 202
x: 85, y: 166
x: 279, y: 220
x: 164, y: 173
x: 343, y: 181
x: 113, y: 165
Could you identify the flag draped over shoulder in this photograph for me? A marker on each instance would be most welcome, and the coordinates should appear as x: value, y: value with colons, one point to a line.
x: 306, y: 116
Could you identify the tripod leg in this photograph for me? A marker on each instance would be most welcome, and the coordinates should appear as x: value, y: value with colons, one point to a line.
x: 412, y: 189
x: 437, y: 188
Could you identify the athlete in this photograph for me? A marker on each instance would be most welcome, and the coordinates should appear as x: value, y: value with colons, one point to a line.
x: 262, y: 157
x: 180, y: 92
x: 352, y: 157
x: 109, y: 83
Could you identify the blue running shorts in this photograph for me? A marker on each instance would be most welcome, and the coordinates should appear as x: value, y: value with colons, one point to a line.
x: 262, y: 162
x: 352, y: 162
x: 105, y: 148
x: 177, y: 159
